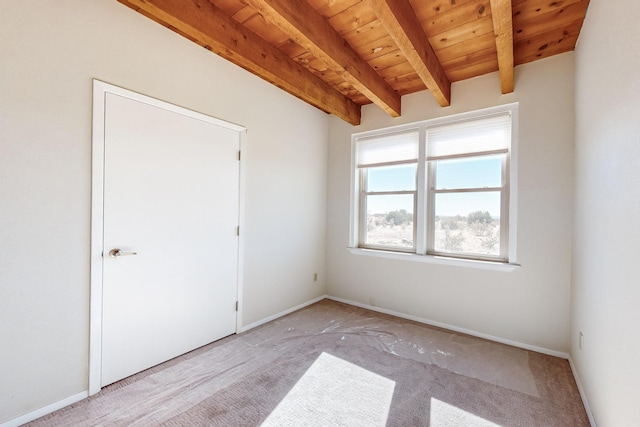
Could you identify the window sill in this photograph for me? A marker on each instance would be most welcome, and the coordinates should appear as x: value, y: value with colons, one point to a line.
x: 431, y: 259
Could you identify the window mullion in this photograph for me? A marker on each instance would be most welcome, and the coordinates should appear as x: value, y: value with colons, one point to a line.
x: 389, y: 193
x: 467, y: 155
x: 431, y: 208
x: 467, y: 190
x: 397, y: 163
x: 362, y: 220
x: 420, y: 217
x: 504, y: 210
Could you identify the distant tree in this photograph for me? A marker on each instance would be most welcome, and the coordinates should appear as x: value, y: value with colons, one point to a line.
x: 449, y: 223
x: 399, y: 217
x: 453, y: 241
x: 490, y: 238
x: 480, y: 217
x: 375, y: 221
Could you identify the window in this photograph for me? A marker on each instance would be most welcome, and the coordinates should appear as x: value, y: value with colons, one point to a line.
x: 387, y: 172
x: 439, y: 187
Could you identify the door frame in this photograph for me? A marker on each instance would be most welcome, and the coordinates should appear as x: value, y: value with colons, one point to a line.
x: 100, y: 90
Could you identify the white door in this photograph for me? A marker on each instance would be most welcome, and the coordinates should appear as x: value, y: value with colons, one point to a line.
x: 171, y: 194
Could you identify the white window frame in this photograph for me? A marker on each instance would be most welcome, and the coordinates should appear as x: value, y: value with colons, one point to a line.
x: 364, y: 191
x: 363, y: 212
x: 423, y: 242
x: 503, y: 189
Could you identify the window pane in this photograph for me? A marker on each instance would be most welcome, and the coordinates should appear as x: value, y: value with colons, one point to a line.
x: 468, y: 223
x: 471, y: 172
x: 390, y: 220
x: 392, y: 178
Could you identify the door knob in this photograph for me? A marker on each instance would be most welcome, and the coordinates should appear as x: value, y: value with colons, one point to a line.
x: 115, y: 253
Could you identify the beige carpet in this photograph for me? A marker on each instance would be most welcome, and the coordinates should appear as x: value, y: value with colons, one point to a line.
x: 334, y: 364
x: 333, y: 392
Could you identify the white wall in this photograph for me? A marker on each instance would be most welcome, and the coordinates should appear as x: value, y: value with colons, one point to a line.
x: 530, y: 305
x: 49, y: 53
x: 606, y: 282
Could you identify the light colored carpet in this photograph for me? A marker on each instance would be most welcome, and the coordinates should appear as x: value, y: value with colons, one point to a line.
x: 445, y: 415
x: 334, y: 392
x: 439, y: 378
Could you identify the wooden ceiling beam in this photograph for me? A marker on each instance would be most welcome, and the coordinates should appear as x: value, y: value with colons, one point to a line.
x: 501, y: 14
x: 209, y: 26
x: 310, y: 29
x: 400, y: 21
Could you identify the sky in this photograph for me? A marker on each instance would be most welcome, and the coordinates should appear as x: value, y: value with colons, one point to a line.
x: 477, y: 172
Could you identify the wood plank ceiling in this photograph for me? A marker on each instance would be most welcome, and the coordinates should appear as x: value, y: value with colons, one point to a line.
x: 341, y: 54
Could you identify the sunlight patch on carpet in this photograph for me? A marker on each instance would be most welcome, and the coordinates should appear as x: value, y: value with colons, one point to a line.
x: 445, y: 415
x: 337, y: 393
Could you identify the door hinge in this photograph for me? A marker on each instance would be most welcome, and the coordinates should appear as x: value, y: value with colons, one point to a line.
x: 239, y: 155
x: 236, y: 305
x: 238, y: 231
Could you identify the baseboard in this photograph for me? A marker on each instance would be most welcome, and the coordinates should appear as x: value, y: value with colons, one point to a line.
x: 583, y: 395
x: 282, y: 313
x: 454, y: 328
x: 23, y: 419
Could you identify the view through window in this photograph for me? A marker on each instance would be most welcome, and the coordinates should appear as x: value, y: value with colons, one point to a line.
x: 437, y: 187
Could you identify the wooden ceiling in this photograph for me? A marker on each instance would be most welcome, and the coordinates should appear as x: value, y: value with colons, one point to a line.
x: 341, y: 54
